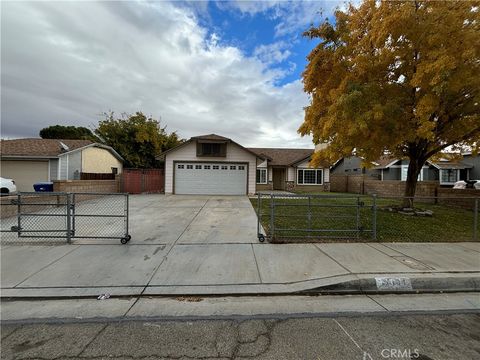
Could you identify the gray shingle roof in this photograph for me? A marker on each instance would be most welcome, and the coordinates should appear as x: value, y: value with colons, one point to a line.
x: 283, y: 157
x: 39, y: 147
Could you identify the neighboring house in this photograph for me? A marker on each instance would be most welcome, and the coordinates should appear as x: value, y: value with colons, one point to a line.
x: 353, y: 166
x: 446, y: 172
x: 216, y: 165
x: 28, y: 161
x: 474, y: 162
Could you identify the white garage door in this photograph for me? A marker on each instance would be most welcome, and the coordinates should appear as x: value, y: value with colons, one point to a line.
x: 210, y: 178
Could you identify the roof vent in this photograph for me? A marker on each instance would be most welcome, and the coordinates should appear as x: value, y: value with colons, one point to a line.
x: 64, y: 147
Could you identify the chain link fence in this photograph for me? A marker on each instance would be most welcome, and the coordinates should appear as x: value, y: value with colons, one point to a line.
x: 333, y: 217
x: 52, y: 218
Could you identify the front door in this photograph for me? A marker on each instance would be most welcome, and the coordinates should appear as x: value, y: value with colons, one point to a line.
x: 278, y: 179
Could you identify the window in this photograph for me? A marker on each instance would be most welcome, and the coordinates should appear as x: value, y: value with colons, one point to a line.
x: 261, y: 176
x: 215, y: 167
x: 211, y: 149
x: 405, y: 172
x: 224, y: 167
x: 198, y: 167
x: 114, y: 170
x: 180, y: 166
x: 206, y: 167
x: 189, y: 166
x: 241, y: 167
x: 310, y: 176
x: 233, y: 167
x: 448, y: 176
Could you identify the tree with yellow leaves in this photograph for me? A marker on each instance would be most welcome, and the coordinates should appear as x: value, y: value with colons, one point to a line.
x: 395, y: 77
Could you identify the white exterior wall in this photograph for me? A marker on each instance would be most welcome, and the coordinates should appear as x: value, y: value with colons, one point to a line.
x: 290, y: 174
x: 326, y: 175
x: 261, y: 163
x: 189, y: 153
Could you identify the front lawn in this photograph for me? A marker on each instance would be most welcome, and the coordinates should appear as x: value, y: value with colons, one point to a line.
x: 334, y: 217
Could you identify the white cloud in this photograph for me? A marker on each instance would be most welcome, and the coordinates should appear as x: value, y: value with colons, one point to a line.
x: 65, y: 63
x: 273, y: 53
x: 293, y: 16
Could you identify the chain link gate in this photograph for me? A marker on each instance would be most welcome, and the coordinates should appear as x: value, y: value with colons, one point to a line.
x: 72, y: 216
x: 296, y: 217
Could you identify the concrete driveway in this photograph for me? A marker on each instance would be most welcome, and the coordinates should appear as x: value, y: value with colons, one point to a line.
x: 192, y: 219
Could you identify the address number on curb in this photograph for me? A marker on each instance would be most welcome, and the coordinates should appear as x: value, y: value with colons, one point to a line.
x: 393, y: 283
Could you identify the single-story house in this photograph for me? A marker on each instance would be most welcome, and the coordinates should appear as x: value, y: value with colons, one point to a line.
x: 473, y: 161
x: 216, y: 165
x: 28, y: 161
x: 446, y: 172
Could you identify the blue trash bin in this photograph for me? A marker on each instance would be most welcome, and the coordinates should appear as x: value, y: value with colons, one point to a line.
x: 46, y: 186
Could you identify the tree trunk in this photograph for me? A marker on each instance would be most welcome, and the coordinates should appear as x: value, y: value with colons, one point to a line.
x: 414, y: 168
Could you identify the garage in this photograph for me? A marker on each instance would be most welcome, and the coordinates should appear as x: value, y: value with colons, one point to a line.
x: 210, y: 178
x: 25, y: 173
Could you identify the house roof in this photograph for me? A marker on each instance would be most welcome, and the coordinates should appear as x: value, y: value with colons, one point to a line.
x: 283, y: 157
x: 451, y: 165
x: 47, y: 148
x: 39, y: 147
x: 385, y: 162
x: 211, y: 137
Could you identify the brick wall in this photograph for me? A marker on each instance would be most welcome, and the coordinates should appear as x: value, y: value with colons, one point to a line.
x: 338, y: 183
x: 464, y: 198
x: 7, y: 209
x: 364, y: 184
x: 100, y: 186
x: 347, y: 183
x: 397, y: 188
x: 361, y: 184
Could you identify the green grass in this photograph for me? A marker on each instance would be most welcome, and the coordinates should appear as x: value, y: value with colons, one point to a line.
x: 339, y: 212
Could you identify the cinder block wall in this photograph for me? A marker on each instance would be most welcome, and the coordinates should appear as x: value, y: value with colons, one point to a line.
x: 396, y: 188
x: 9, y: 209
x: 100, y: 186
x: 464, y: 198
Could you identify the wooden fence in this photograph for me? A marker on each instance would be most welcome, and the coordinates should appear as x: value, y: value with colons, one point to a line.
x: 137, y: 181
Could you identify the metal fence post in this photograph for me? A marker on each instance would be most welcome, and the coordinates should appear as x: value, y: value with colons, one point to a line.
x: 19, y: 214
x: 272, y: 216
x: 72, y: 206
x: 374, y: 217
x: 127, y: 205
x: 475, y: 221
x: 309, y: 212
x: 259, y: 214
x: 69, y: 219
x: 358, y: 217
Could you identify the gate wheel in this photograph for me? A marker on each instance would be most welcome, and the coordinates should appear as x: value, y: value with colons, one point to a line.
x: 261, y: 237
x: 126, y: 239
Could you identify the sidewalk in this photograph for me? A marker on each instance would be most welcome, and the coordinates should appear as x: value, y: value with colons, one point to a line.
x: 220, y: 269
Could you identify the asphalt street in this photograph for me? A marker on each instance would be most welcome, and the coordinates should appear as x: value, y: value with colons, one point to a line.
x: 437, y: 336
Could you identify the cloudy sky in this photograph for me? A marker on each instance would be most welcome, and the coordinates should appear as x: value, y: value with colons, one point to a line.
x: 231, y: 68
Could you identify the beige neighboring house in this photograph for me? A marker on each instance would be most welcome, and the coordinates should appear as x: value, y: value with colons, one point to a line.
x: 216, y: 165
x: 28, y: 161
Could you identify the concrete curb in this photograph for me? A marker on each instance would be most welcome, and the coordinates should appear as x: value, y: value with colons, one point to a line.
x: 402, y: 284
x: 390, y: 283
